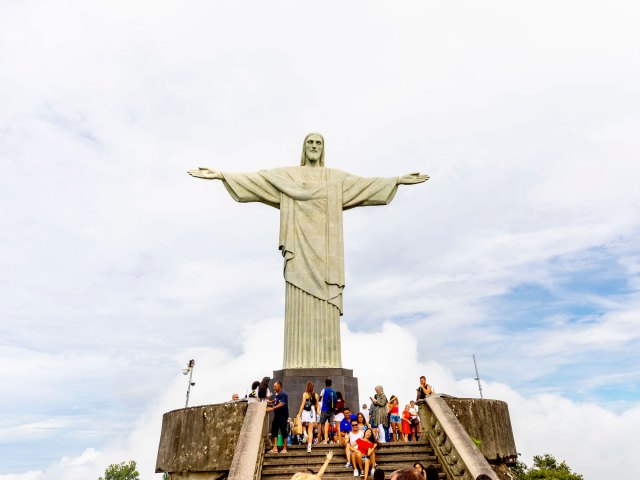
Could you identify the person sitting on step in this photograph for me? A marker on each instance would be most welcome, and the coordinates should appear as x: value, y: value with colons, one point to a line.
x: 367, y: 447
x: 362, y: 422
x: 431, y: 473
x: 354, y: 457
x: 345, y: 425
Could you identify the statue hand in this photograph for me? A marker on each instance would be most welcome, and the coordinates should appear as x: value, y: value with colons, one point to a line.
x: 206, y: 173
x: 412, y: 178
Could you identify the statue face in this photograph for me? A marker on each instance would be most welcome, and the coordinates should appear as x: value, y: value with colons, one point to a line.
x: 313, y: 148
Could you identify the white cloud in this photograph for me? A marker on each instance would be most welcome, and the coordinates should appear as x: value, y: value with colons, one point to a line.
x: 542, y: 423
x: 30, y: 475
x: 114, y: 264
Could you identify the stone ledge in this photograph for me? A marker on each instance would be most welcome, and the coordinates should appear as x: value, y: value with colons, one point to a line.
x: 200, y: 439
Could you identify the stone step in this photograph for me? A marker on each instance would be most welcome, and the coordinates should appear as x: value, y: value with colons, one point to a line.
x: 398, y: 447
x: 322, y: 452
x: 348, y: 474
x: 318, y: 460
x: 335, y: 469
x: 383, y: 444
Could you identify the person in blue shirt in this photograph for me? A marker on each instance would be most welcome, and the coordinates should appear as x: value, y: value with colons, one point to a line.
x: 280, y: 422
x: 345, y: 425
x: 328, y: 399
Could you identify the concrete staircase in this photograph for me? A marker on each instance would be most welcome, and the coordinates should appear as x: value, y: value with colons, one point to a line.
x: 390, y: 457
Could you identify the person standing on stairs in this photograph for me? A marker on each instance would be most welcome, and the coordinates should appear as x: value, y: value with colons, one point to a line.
x: 328, y: 398
x: 308, y: 412
x: 380, y: 418
x: 280, y: 411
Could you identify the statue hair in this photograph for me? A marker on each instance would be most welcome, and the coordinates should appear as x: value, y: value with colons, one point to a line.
x: 303, y: 160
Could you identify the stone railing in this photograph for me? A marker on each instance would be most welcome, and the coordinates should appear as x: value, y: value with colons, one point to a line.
x: 456, y: 452
x: 257, y: 474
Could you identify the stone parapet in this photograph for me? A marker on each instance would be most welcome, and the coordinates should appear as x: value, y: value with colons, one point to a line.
x: 489, y: 422
x: 459, y: 456
x: 212, y: 441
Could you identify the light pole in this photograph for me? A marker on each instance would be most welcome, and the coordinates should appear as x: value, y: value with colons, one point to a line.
x: 477, y: 377
x: 188, y: 370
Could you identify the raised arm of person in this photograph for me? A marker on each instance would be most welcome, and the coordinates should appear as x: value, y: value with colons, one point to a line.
x: 325, y: 464
x: 426, y: 389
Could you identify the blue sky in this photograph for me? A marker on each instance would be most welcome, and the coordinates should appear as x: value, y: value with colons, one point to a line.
x: 116, y: 267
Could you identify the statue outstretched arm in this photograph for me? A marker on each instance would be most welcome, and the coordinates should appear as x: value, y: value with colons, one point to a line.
x: 243, y: 187
x: 365, y: 191
x: 412, y: 178
x: 206, y: 173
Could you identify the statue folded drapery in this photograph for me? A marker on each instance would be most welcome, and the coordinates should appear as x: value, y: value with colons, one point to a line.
x: 311, y: 199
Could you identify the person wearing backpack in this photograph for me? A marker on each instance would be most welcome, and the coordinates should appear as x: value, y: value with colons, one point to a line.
x: 308, y: 412
x: 328, y: 399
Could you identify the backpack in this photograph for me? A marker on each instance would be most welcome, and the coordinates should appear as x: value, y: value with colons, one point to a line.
x: 329, y: 399
x: 333, y: 400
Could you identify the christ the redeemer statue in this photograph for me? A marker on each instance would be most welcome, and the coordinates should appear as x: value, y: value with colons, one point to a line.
x: 311, y: 199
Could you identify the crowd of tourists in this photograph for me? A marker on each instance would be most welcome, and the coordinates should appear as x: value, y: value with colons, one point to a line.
x: 326, y: 417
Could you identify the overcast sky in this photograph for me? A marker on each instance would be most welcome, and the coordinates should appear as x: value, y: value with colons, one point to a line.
x: 116, y: 267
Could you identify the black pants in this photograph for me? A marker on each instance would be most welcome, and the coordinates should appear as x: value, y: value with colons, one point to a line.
x: 279, y: 424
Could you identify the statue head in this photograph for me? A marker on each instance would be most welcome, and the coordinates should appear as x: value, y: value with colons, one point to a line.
x: 313, y: 150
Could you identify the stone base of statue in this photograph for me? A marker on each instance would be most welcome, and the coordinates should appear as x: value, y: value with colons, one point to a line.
x: 294, y: 382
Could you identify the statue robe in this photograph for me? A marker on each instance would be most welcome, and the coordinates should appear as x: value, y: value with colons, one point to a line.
x: 311, y: 201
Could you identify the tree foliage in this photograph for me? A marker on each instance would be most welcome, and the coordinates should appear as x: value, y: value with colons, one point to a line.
x: 121, y: 471
x: 545, y: 467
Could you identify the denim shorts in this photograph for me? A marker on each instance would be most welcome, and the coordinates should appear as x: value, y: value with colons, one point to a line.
x: 395, y: 418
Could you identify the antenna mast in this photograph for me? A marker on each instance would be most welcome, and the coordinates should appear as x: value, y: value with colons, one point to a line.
x: 477, y: 377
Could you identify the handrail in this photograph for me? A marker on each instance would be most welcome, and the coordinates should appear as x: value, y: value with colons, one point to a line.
x: 250, y: 446
x: 459, y: 456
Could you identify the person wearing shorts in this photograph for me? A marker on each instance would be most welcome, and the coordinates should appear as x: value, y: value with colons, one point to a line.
x: 395, y: 419
x: 367, y: 447
x: 327, y: 397
x: 307, y: 412
x: 415, y: 420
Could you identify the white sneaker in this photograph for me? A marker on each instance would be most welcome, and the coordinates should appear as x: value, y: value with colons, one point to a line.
x: 355, y: 473
x: 373, y: 470
x: 309, y: 448
x: 348, y: 465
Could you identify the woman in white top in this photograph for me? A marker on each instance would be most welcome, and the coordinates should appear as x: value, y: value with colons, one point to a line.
x: 308, y: 412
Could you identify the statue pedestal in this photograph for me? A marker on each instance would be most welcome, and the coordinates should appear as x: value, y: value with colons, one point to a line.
x: 294, y: 381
